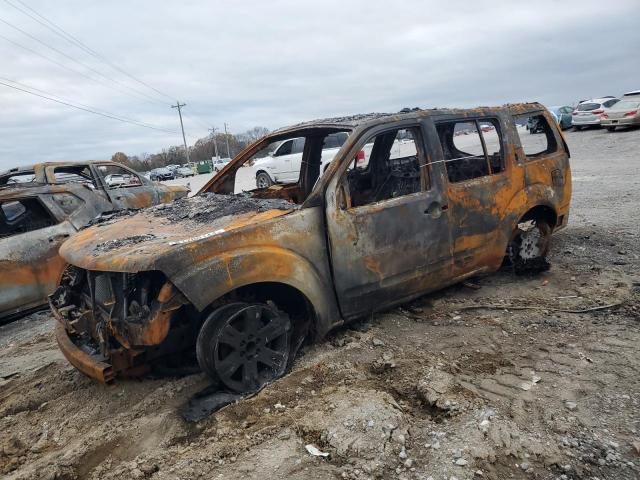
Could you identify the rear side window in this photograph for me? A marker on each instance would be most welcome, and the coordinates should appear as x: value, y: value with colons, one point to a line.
x: 610, y: 103
x: 75, y: 174
x: 335, y: 140
x: 587, y: 107
x: 20, y: 216
x: 471, y: 149
x: 539, y: 140
x: 22, y: 177
x: 284, y: 149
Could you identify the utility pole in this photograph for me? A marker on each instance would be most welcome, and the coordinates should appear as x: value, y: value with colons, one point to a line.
x: 215, y: 144
x: 226, y: 136
x: 178, y: 105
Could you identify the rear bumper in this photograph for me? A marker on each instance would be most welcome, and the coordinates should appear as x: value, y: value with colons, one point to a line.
x: 87, y: 364
x: 575, y: 121
x: 620, y: 122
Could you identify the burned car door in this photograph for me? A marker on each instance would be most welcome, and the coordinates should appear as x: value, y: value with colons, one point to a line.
x: 125, y: 188
x: 388, y: 223
x: 30, y: 236
x: 480, y: 184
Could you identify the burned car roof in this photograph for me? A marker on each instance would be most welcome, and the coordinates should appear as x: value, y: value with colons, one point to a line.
x: 369, y: 119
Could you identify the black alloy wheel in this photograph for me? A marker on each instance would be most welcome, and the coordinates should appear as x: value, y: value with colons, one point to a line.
x: 244, y: 346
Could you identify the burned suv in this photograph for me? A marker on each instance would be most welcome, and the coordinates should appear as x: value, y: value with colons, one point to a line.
x: 239, y: 277
x: 42, y: 205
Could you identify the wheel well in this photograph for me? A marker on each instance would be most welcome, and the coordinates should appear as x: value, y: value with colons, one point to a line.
x: 287, y: 298
x: 541, y: 212
x: 261, y: 171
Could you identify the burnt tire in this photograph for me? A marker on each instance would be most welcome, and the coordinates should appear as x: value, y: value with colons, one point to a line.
x: 529, y: 246
x: 263, y: 180
x: 244, y: 346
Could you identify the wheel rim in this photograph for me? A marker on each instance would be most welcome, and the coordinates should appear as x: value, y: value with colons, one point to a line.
x: 262, y: 182
x: 252, y: 348
x: 530, y: 244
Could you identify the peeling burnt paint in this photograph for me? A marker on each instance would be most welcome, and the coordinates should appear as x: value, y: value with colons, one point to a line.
x: 334, y: 261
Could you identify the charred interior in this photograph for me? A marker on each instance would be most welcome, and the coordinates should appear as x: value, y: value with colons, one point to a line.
x: 24, y: 215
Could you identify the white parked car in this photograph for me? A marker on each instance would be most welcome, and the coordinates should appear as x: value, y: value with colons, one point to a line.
x: 591, y: 112
x: 219, y: 163
x: 283, y: 165
x: 117, y: 180
x: 184, y: 172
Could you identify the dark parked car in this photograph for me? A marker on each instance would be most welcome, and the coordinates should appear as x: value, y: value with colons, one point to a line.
x: 243, y: 279
x: 42, y: 205
x: 159, y: 174
x: 562, y: 115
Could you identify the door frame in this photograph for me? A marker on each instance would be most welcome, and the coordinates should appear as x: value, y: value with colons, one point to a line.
x: 432, y: 191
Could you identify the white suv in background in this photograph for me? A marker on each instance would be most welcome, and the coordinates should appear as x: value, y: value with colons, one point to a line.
x: 283, y: 165
x: 590, y: 112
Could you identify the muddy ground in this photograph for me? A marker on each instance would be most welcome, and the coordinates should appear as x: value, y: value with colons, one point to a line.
x: 499, y: 382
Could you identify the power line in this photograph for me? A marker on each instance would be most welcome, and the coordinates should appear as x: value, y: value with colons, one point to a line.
x: 63, y: 99
x: 81, y: 63
x: 75, y: 41
x: 89, y: 110
x: 62, y: 65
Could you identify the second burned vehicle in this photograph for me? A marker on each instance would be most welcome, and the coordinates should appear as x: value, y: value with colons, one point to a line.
x: 242, y: 279
x: 42, y: 205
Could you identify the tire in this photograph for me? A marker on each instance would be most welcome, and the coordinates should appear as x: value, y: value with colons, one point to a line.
x: 244, y: 346
x: 263, y: 180
x: 529, y: 245
x: 611, y: 129
x: 576, y: 129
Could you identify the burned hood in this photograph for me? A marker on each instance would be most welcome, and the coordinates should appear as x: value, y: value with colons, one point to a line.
x: 148, y: 239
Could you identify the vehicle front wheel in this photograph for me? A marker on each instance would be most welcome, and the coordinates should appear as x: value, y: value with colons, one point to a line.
x: 263, y: 180
x: 576, y: 129
x: 245, y: 345
x: 529, y: 246
x: 611, y: 129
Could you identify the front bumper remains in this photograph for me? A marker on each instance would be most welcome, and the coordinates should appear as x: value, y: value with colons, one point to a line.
x: 90, y: 365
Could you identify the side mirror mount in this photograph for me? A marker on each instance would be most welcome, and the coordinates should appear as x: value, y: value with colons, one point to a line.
x: 342, y: 196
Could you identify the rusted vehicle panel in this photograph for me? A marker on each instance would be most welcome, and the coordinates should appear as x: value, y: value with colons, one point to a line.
x: 41, y: 206
x: 243, y: 279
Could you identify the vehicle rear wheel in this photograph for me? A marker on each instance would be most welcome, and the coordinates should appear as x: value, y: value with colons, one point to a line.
x: 263, y: 180
x: 611, y: 129
x: 529, y: 246
x: 245, y: 345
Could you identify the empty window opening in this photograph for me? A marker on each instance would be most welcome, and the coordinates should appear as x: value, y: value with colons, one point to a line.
x: 20, y: 216
x: 18, y: 178
x: 74, y: 174
x: 540, y: 140
x: 388, y: 166
x: 115, y: 176
x: 471, y: 149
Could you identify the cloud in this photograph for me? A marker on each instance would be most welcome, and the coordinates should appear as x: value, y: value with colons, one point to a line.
x: 279, y: 62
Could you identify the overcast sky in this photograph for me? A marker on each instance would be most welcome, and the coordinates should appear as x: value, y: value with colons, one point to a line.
x: 273, y: 63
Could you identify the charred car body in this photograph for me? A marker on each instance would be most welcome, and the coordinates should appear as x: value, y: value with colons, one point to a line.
x: 241, y: 279
x: 42, y: 205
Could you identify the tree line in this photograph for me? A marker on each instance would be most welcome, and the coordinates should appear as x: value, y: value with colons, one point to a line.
x: 203, y: 149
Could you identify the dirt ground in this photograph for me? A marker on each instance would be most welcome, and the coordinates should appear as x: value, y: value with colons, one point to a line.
x: 505, y: 381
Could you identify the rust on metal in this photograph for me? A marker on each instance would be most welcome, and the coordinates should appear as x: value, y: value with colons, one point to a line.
x: 43, y: 205
x: 326, y: 249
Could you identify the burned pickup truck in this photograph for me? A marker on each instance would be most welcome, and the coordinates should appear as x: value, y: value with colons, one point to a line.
x: 239, y: 279
x: 42, y: 205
